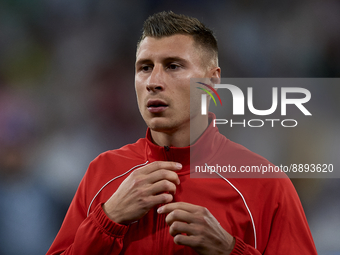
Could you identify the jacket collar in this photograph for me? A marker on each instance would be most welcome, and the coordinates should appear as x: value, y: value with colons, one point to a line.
x: 205, y: 147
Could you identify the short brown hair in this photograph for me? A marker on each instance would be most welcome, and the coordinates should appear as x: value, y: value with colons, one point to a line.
x: 164, y: 24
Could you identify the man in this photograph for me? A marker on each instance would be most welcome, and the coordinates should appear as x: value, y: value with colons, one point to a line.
x: 140, y: 199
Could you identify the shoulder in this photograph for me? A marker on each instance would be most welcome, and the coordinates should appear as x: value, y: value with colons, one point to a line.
x: 238, y: 155
x: 239, y: 151
x: 120, y: 159
x: 109, y: 166
x: 253, y: 171
x: 134, y: 150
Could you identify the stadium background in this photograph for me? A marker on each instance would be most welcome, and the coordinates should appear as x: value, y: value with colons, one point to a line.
x: 67, y: 94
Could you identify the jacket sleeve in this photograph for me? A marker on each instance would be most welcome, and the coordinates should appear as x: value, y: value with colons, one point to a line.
x: 289, y: 230
x: 95, y: 234
x: 241, y: 248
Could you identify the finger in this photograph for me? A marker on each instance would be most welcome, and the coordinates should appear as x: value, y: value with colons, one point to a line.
x: 160, y: 199
x: 179, y: 215
x: 181, y: 206
x: 154, y: 166
x: 163, y: 175
x: 181, y: 228
x: 162, y: 186
x: 191, y: 241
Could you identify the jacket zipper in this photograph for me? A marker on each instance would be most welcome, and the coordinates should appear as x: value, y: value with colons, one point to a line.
x: 161, y: 224
x: 166, y: 152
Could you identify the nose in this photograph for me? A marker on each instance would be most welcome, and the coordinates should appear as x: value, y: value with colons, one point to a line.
x: 155, y: 81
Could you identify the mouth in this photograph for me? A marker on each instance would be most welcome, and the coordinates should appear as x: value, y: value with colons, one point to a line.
x: 156, y: 106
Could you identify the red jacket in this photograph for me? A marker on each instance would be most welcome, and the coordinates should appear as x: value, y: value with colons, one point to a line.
x: 262, y: 213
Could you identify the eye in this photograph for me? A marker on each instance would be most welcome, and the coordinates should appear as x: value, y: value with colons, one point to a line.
x: 146, y: 68
x: 173, y: 66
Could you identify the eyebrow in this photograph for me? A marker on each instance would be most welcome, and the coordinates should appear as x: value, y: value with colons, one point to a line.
x: 165, y: 60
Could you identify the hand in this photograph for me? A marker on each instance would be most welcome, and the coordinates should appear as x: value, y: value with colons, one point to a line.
x: 203, y: 232
x: 144, y: 188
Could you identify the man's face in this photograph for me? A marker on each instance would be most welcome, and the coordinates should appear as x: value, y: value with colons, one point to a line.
x: 164, y: 67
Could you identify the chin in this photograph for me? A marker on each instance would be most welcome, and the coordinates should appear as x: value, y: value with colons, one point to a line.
x: 162, y: 125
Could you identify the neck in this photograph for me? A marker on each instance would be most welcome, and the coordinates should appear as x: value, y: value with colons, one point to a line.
x: 180, y: 137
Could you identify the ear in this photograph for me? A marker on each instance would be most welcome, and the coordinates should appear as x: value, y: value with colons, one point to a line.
x: 215, y: 75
